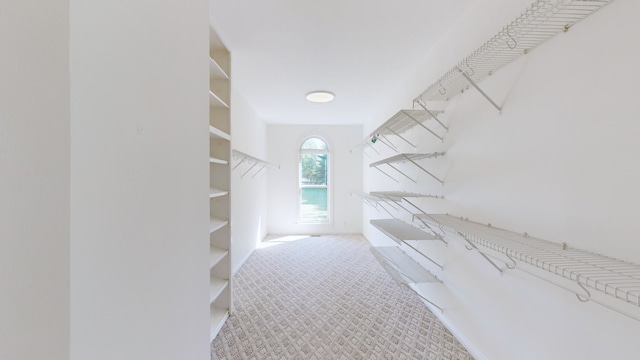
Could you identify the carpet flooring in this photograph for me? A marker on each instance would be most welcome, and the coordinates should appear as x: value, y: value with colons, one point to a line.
x: 327, y: 298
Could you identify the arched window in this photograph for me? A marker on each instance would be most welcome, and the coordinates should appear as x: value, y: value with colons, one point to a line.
x: 314, y: 182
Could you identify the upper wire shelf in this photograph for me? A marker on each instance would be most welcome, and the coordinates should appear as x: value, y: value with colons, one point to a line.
x: 613, y: 277
x: 412, y: 158
x: 540, y: 22
x: 253, y: 162
x: 403, y: 121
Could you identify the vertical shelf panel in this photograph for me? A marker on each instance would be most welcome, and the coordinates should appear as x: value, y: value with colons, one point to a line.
x: 219, y: 183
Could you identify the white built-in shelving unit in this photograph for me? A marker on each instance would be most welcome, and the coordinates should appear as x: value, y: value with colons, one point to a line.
x: 221, y: 302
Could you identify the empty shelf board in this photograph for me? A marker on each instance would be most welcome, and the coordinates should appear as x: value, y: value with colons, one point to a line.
x: 406, y: 157
x: 610, y: 276
x: 401, y: 267
x: 400, y: 231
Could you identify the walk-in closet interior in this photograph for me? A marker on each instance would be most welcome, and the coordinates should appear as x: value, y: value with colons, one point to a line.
x: 484, y: 152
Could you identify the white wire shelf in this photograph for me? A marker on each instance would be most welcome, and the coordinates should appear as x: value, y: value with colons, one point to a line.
x: 538, y: 23
x: 398, y: 196
x: 403, y: 121
x: 400, y: 231
x: 403, y: 269
x: 609, y: 276
x: 412, y: 158
x: 374, y: 202
x: 366, y: 197
x: 252, y: 162
x: 406, y: 157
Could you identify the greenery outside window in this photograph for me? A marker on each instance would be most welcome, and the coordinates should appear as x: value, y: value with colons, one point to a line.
x: 314, y: 182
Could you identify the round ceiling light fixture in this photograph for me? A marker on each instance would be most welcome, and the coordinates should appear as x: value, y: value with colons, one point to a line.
x: 320, y: 96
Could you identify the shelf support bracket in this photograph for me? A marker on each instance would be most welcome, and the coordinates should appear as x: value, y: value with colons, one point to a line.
x: 391, y: 177
x: 421, y: 124
x: 386, y: 142
x: 405, y: 175
x: 385, y: 209
x: 401, y: 137
x: 423, y: 255
x: 238, y: 164
x: 374, y: 149
x: 480, y: 90
x: 441, y: 238
x: 259, y: 170
x: 473, y: 246
x: 249, y: 169
x: 431, y: 114
x: 423, y: 169
x: 397, y: 203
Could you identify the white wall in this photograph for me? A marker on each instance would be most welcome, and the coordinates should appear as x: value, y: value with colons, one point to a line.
x: 558, y: 163
x: 284, y: 148
x: 139, y: 170
x: 249, y: 192
x: 34, y: 179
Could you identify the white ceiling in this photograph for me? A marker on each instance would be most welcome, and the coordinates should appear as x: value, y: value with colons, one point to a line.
x: 359, y: 50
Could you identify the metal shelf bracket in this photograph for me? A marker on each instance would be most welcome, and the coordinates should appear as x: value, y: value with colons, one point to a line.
x: 480, y: 90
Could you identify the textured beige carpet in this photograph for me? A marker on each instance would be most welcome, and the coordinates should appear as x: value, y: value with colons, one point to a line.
x: 327, y: 298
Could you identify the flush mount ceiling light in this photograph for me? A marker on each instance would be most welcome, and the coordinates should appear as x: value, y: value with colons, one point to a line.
x: 320, y: 96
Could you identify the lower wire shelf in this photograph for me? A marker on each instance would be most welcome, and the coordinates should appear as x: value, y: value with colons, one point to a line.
x: 402, y: 233
x: 404, y: 270
x: 614, y: 278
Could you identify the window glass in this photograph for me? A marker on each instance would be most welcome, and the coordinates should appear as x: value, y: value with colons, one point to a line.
x: 314, y: 144
x: 314, y: 181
